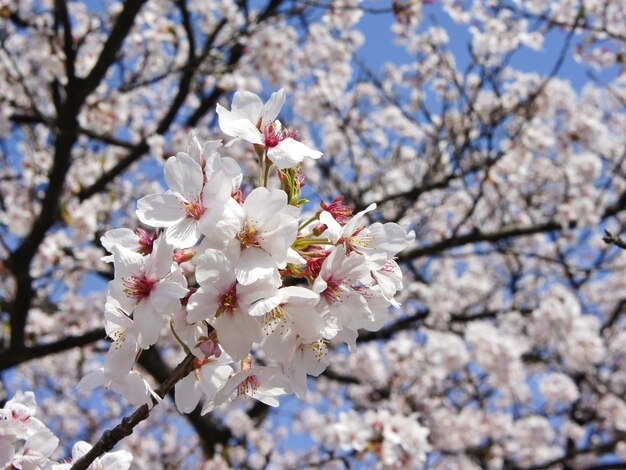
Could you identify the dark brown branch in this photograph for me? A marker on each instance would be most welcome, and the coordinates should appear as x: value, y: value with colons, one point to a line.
x: 113, y: 44
x: 125, y: 428
x: 67, y: 125
x: 62, y: 19
x: 209, y: 432
x: 13, y: 357
x: 388, y: 331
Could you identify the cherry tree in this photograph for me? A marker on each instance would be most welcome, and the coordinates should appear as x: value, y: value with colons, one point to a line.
x: 194, y: 255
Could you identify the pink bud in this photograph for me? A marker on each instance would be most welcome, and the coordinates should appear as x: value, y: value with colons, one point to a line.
x: 210, y: 347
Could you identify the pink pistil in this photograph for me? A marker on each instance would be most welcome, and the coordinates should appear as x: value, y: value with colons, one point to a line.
x: 195, y: 210
x: 333, y: 290
x: 146, y: 241
x: 138, y: 287
x: 272, y: 137
x: 248, y: 386
x: 339, y: 212
x: 228, y: 302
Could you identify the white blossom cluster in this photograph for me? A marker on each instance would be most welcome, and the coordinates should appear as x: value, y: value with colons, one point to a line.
x: 255, y: 292
x: 27, y: 444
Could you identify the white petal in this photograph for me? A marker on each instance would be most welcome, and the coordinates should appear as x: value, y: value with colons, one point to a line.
x: 42, y: 443
x: 236, y: 332
x: 214, y: 265
x: 347, y: 336
x: 159, y: 263
x: 187, y: 393
x: 293, y: 257
x: 277, y: 239
x: 299, y: 295
x: 25, y: 402
x: 272, y: 107
x: 254, y: 264
x: 92, y: 380
x: 79, y: 449
x: 355, y: 221
x: 184, y: 233
x: 247, y: 105
x: 227, y: 225
x: 262, y: 205
x: 290, y: 152
x: 134, y: 388
x: 389, y: 238
x: 149, y: 323
x: 238, y: 127
x: 6, y: 453
x: 166, y: 295
x: 297, y: 377
x: 123, y: 237
x: 333, y: 228
x: 226, y: 391
x: 203, y: 304
x: 120, y: 358
x: 184, y: 176
x: 127, y: 263
x: 194, y: 149
x: 118, y: 460
x: 258, y: 291
x: 213, y: 377
x: 160, y: 210
x: 261, y: 307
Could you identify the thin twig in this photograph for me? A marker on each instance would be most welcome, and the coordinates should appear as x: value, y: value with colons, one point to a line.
x: 111, y: 437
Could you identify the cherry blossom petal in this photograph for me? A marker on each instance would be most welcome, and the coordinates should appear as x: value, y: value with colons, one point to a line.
x: 247, y: 105
x: 333, y: 229
x: 187, y: 393
x: 149, y: 323
x: 235, y: 126
x: 159, y: 263
x: 236, y: 332
x: 118, y: 460
x: 203, y: 304
x: 184, y: 176
x: 6, y: 453
x: 166, y: 295
x: 273, y: 107
x: 289, y: 152
x: 254, y: 264
x: 184, y: 234
x: 120, y: 358
x: 160, y: 210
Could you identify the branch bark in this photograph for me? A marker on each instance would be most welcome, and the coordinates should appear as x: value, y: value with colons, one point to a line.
x: 125, y: 428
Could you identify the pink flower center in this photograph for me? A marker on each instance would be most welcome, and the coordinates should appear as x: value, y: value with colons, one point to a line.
x: 247, y: 237
x: 333, y: 290
x: 272, y: 137
x: 249, y: 386
x: 389, y: 267
x: 184, y: 255
x: 138, y: 287
x: 339, y: 212
x: 195, y: 210
x: 145, y: 241
x: 275, y: 134
x: 228, y: 302
x: 363, y: 290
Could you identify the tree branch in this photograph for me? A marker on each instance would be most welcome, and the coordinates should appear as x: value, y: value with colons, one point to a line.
x: 125, y: 428
x: 13, y: 357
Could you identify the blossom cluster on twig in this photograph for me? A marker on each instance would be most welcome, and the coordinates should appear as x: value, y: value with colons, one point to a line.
x: 255, y: 292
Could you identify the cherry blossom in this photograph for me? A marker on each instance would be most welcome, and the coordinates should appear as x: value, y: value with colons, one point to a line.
x: 190, y: 201
x: 251, y: 120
